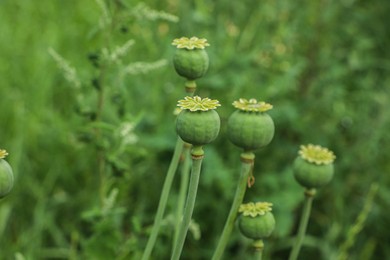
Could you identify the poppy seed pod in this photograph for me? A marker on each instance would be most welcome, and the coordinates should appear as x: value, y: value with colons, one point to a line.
x: 313, y: 168
x: 250, y: 127
x: 6, y: 175
x: 190, y: 59
x: 257, y: 221
x: 198, y: 123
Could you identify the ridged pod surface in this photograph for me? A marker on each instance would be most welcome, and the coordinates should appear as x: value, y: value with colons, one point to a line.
x: 6, y: 178
x: 198, y: 127
x: 250, y: 130
x: 191, y: 64
x: 313, y: 167
x: 258, y: 227
x: 191, y: 60
x: 312, y: 175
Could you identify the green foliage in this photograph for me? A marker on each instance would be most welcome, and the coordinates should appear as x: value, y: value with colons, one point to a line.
x: 324, y: 65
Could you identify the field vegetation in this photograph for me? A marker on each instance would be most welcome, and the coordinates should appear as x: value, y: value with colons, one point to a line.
x: 87, y: 99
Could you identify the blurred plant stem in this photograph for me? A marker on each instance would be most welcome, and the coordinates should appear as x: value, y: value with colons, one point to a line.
x: 197, y: 158
x: 100, y: 153
x: 164, y: 198
x: 247, y: 159
x: 74, y: 243
x: 258, y: 255
x: 108, y: 29
x: 185, y: 174
x: 309, y: 195
x: 359, y: 223
x: 258, y: 246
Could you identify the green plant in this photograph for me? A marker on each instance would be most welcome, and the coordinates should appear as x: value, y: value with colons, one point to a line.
x: 313, y: 172
x: 191, y: 59
x: 103, y: 103
x: 184, y: 180
x: 359, y: 223
x: 256, y: 222
x: 313, y: 168
x: 325, y: 72
x: 163, y: 199
x: 198, y: 124
x: 247, y: 161
x: 183, y: 64
x: 6, y: 175
x: 249, y: 128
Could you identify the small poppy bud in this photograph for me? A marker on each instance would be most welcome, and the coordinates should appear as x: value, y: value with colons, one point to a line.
x: 313, y: 168
x: 256, y: 221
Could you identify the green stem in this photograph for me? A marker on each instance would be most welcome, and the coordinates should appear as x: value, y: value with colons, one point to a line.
x: 309, y: 194
x: 247, y: 159
x: 258, y: 245
x: 102, y: 177
x: 166, y: 189
x: 190, y: 86
x: 359, y: 223
x: 163, y: 199
x: 107, y: 33
x: 185, y: 170
x: 101, y: 163
x: 258, y: 255
x: 197, y: 158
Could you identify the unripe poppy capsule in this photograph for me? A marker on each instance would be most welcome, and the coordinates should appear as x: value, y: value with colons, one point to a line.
x: 257, y: 221
x: 250, y: 127
x: 313, y: 167
x: 6, y: 175
x: 198, y: 123
x: 190, y: 59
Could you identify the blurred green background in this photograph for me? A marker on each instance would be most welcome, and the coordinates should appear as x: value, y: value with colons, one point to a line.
x: 324, y: 65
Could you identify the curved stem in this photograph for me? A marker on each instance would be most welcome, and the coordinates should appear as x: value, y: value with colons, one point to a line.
x: 309, y: 194
x: 197, y: 158
x: 185, y: 174
x: 247, y: 159
x: 163, y: 199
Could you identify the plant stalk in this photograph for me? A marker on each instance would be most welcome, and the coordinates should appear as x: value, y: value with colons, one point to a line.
x: 166, y: 189
x: 197, y: 158
x: 247, y: 159
x: 258, y: 255
x: 163, y: 199
x: 258, y: 246
x: 185, y: 174
x: 190, y: 88
x: 309, y: 195
x: 101, y: 163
